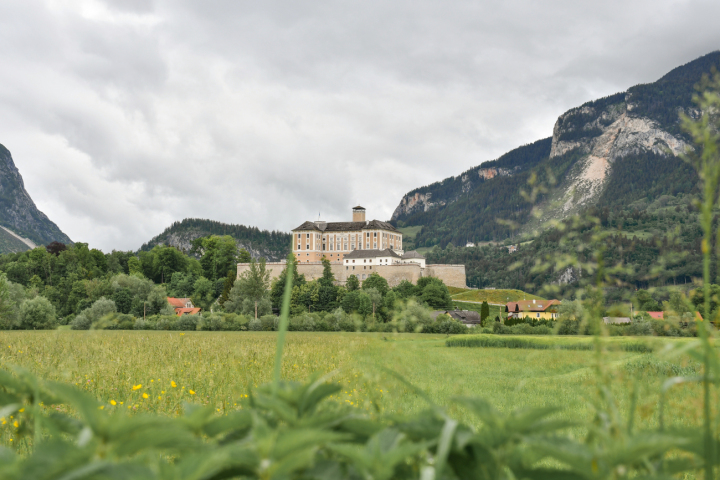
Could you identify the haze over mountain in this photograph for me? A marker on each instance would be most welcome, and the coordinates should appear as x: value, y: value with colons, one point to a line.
x: 621, y: 150
x: 22, y: 225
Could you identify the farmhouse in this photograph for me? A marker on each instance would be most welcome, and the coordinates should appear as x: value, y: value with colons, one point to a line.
x: 183, y: 306
x: 468, y: 317
x: 546, y: 309
x: 360, y: 248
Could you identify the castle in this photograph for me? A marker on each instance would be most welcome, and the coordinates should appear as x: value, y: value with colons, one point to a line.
x: 360, y: 248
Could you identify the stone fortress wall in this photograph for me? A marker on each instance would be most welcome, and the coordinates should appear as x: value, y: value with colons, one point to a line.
x: 452, y: 275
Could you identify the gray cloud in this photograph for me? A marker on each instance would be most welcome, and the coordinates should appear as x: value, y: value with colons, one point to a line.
x: 126, y: 116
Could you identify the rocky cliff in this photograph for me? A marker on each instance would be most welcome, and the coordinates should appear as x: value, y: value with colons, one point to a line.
x: 22, y: 222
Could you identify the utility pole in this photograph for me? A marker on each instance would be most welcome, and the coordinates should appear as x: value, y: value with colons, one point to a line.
x: 255, y: 309
x: 144, y: 309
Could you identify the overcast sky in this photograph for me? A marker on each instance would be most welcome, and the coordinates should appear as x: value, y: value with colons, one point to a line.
x: 125, y: 116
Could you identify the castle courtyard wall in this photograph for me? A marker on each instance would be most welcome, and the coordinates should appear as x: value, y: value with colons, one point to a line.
x: 451, y: 275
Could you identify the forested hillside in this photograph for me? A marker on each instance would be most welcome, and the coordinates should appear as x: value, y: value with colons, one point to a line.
x: 655, y: 245
x: 274, y: 246
x: 620, y: 150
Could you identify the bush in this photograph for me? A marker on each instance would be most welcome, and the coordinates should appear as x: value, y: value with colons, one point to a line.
x: 187, y: 323
x: 269, y: 323
x: 255, y: 325
x: 521, y: 329
x: 37, y: 314
x: 501, y: 329
x: 80, y: 322
x: 569, y: 327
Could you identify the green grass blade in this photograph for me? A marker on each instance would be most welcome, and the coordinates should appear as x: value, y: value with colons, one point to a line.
x: 283, y: 326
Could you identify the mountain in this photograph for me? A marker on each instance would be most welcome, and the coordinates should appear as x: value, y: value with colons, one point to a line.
x: 22, y: 225
x: 622, y: 151
x: 273, y: 246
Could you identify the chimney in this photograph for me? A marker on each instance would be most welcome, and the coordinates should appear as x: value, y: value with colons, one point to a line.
x: 533, y: 301
x: 358, y: 214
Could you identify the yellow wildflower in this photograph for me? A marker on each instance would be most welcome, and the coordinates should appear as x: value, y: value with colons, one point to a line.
x: 173, y: 384
x: 159, y: 398
x: 113, y: 402
x: 21, y: 410
x: 162, y: 391
x: 182, y: 334
x: 137, y: 387
x: 101, y: 407
x: 145, y: 395
x: 192, y: 392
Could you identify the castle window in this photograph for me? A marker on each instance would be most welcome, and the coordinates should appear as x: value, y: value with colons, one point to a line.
x: 363, y: 276
x: 346, y: 268
x: 298, y: 247
x: 308, y: 235
x: 307, y: 247
x: 370, y: 267
x: 375, y: 234
x: 353, y: 267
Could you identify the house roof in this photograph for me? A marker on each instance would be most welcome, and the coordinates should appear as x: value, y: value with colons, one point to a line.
x: 358, y: 208
x: 468, y: 317
x: 371, y: 254
x: 530, y: 306
x: 411, y: 255
x: 177, y: 302
x: 345, y: 226
x: 187, y: 311
x: 656, y: 315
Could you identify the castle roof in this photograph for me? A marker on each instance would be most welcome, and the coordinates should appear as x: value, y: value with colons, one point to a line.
x: 371, y: 254
x: 412, y: 254
x: 345, y: 226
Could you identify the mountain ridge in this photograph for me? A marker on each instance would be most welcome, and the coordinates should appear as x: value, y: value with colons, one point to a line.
x: 591, y: 146
x: 18, y: 212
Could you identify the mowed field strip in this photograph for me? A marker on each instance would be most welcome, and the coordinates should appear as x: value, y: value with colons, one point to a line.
x: 159, y: 371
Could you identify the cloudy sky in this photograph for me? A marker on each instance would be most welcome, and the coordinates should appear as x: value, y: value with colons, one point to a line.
x: 125, y: 116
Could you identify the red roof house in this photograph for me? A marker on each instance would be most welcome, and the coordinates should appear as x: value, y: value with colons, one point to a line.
x: 183, y: 306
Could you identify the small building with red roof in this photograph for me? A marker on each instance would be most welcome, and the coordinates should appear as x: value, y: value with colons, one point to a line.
x: 183, y: 306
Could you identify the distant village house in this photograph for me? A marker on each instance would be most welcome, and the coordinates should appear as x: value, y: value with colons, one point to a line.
x: 539, y: 309
x: 183, y: 306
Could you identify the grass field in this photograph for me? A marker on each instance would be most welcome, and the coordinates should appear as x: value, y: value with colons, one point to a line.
x: 494, y: 296
x: 159, y: 371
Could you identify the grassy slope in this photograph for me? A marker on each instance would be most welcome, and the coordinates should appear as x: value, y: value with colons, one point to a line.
x: 494, y: 296
x: 223, y: 366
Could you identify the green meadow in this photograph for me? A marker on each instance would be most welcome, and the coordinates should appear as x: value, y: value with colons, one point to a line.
x: 152, y: 371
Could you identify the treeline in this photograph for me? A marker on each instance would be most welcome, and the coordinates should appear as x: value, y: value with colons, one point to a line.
x: 62, y: 281
x: 275, y: 244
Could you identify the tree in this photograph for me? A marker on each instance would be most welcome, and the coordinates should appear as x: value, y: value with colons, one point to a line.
x: 244, y: 256
x: 123, y: 300
x: 6, y: 306
x: 374, y: 296
x: 203, y: 291
x: 55, y: 248
x: 227, y: 286
x: 349, y: 301
x: 404, y: 290
x: 484, y: 312
x: 37, y: 314
x: 435, y: 296
x: 352, y: 283
x: 377, y: 282
x: 278, y: 285
x: 327, y: 292
x: 219, y: 254
x: 134, y: 266
x: 253, y: 284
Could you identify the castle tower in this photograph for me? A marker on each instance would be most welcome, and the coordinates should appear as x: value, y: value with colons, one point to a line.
x: 358, y: 214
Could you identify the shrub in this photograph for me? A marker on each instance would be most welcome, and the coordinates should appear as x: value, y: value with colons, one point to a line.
x: 255, y: 325
x: 501, y: 329
x: 186, y: 323
x: 521, y: 329
x: 37, y: 314
x: 269, y: 322
x: 80, y: 322
x: 569, y: 327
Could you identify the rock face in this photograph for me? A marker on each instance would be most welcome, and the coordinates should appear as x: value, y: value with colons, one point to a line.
x: 413, y: 203
x: 18, y: 213
x: 605, y: 135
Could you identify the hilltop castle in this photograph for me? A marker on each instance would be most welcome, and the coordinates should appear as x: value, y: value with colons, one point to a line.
x: 361, y: 248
